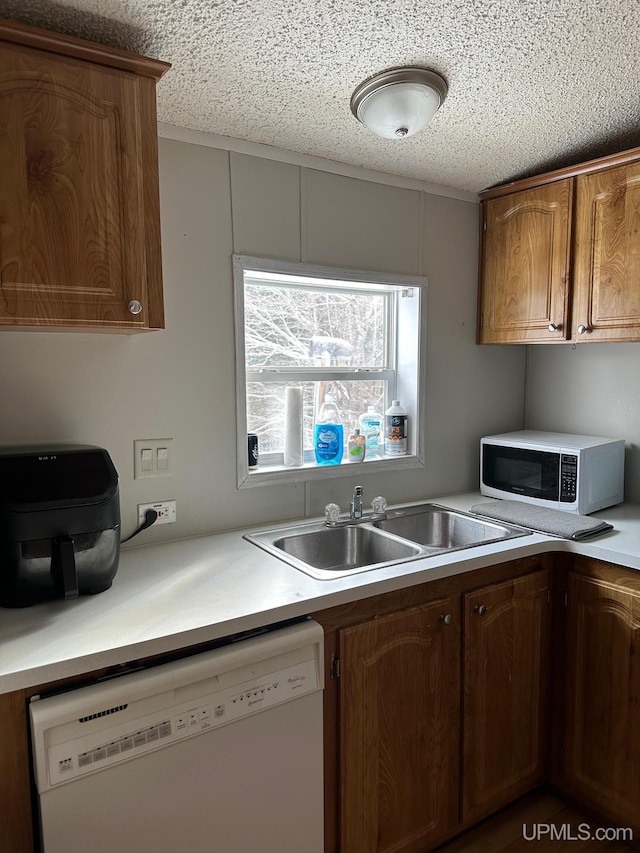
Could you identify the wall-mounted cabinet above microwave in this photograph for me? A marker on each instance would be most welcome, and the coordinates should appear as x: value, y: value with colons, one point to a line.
x: 559, y: 259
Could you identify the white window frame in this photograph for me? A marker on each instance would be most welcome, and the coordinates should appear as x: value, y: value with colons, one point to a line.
x: 406, y: 336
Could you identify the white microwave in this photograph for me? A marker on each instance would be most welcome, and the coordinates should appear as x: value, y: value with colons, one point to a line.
x: 574, y: 473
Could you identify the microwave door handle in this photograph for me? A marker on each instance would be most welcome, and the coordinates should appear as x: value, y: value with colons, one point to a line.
x: 63, y: 566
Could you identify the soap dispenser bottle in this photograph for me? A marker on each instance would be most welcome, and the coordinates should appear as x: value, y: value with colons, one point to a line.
x: 371, y: 427
x: 328, y: 435
x: 356, y: 447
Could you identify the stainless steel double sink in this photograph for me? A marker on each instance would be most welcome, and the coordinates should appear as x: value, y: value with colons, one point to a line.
x: 409, y: 533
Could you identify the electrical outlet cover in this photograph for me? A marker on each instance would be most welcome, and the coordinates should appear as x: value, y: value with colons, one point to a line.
x: 166, y: 512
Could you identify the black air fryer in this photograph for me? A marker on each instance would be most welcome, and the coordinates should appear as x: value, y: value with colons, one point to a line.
x: 59, y: 523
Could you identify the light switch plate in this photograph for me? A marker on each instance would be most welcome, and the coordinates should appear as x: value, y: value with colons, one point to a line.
x: 145, y: 457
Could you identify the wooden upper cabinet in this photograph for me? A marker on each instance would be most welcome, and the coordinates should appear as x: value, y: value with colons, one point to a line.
x: 525, y: 265
x: 607, y: 257
x: 560, y: 255
x: 506, y: 675
x: 400, y: 729
x: 602, y: 731
x: 79, y: 203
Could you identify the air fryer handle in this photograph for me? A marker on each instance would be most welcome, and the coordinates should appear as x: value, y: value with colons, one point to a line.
x: 63, y: 566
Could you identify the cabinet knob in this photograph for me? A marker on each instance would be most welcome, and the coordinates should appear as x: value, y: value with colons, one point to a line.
x: 135, y: 307
x: 447, y: 618
x: 582, y: 329
x: 553, y: 327
x: 480, y: 609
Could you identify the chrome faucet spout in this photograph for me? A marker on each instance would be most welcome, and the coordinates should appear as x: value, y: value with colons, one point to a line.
x: 356, y: 503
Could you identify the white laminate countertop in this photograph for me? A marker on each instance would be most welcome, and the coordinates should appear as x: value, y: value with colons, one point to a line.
x: 178, y: 594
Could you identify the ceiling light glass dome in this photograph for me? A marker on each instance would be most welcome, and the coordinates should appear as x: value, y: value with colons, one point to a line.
x: 398, y: 103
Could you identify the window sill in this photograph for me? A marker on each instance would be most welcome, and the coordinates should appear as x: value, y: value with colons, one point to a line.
x: 269, y: 475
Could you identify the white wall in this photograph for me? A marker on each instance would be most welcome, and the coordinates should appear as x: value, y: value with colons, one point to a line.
x: 593, y: 389
x: 110, y: 389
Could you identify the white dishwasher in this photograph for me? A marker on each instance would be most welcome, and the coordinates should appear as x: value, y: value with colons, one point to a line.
x: 218, y: 752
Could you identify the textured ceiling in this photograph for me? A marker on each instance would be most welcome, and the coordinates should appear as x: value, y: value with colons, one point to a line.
x: 533, y: 84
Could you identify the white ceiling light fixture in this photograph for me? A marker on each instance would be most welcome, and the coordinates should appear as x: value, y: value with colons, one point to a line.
x: 397, y: 103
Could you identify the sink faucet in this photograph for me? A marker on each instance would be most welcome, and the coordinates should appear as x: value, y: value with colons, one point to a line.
x: 356, y: 503
x: 356, y: 514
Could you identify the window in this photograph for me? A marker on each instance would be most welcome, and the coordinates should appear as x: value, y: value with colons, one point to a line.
x: 349, y: 336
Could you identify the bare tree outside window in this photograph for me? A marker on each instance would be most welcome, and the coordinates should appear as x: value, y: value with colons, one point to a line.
x: 288, y: 327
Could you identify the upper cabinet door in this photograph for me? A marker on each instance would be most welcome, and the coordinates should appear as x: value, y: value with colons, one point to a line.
x: 525, y: 266
x: 607, y: 258
x: 79, y: 210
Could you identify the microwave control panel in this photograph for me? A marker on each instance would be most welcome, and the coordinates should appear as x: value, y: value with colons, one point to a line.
x: 568, y: 477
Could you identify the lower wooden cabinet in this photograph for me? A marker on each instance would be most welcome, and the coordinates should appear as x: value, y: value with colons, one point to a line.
x: 506, y: 681
x: 399, y: 729
x: 601, y: 761
x: 442, y: 710
x: 16, y: 835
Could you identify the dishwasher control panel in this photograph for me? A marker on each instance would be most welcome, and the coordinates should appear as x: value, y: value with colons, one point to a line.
x: 130, y: 729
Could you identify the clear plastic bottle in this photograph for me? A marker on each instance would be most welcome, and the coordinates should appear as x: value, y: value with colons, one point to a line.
x: 371, y: 427
x: 328, y: 435
x: 395, y: 430
x: 356, y: 447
